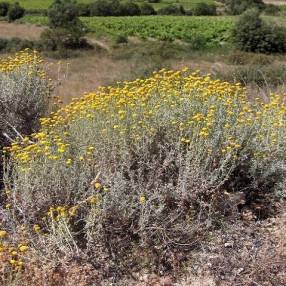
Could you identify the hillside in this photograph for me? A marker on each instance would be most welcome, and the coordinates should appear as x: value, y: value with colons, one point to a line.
x: 142, y: 146
x: 136, y: 176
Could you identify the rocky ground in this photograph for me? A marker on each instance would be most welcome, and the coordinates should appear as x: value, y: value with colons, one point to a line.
x: 249, y: 253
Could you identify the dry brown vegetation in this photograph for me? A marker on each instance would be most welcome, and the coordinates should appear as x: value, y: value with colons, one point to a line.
x: 247, y: 253
x: 24, y: 31
x: 275, y: 2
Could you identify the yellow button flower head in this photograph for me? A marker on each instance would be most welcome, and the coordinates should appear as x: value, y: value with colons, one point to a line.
x: 13, y: 261
x: 3, y: 233
x: 23, y: 248
x: 8, y: 206
x: 2, y: 248
x: 73, y: 211
x: 36, y: 228
x: 20, y: 264
x: 92, y: 200
x: 142, y: 200
x: 97, y: 185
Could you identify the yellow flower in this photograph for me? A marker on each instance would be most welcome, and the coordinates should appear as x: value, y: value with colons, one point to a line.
x: 98, y: 186
x: 23, y: 248
x: 3, y: 233
x: 8, y: 206
x: 92, y: 200
x: 20, y: 264
x: 142, y: 200
x: 7, y: 192
x: 36, y: 228
x: 13, y: 261
x: 73, y: 211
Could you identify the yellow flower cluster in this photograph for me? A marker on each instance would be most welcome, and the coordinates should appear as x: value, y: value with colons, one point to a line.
x: 55, y: 213
x: 205, y: 108
x: 23, y: 58
x: 12, y: 254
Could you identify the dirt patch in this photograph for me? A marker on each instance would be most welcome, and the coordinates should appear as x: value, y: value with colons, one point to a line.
x: 248, y: 253
x: 86, y: 73
x: 275, y: 2
x: 23, y: 31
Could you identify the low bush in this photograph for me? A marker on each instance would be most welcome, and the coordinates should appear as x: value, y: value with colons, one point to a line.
x: 105, y: 8
x: 244, y: 58
x: 235, y: 7
x: 147, y: 9
x: 204, y: 9
x: 66, y: 30
x: 148, y: 56
x: 61, y: 39
x: 254, y: 72
x: 172, y: 10
x: 25, y: 94
x: 271, y: 9
x: 24, y: 97
x: 121, y: 39
x: 260, y: 75
x: 84, y: 9
x: 15, y: 12
x: 16, y: 44
x: 197, y: 41
x: 4, y: 7
x: 129, y: 8
x: 252, y: 34
x: 135, y: 175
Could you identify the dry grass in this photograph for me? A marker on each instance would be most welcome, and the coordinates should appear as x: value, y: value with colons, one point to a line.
x: 86, y: 73
x: 24, y: 31
x: 93, y: 69
x: 275, y: 2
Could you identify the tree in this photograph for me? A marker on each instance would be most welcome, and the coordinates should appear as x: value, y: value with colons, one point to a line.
x: 172, y: 10
x: 65, y: 31
x: 130, y: 9
x: 204, y: 9
x: 4, y: 7
x: 147, y: 9
x: 15, y: 12
x: 236, y: 7
x: 252, y: 34
x: 105, y: 8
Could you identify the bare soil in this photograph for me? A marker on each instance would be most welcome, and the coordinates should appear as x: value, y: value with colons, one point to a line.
x: 248, y: 253
x: 23, y: 31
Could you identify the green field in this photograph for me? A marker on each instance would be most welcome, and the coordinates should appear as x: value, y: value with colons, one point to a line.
x: 44, y: 4
x: 39, y: 4
x: 210, y: 29
x: 188, y: 4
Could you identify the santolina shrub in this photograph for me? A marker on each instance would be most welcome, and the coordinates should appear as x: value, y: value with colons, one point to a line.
x: 143, y: 165
x: 25, y: 94
x: 24, y: 97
